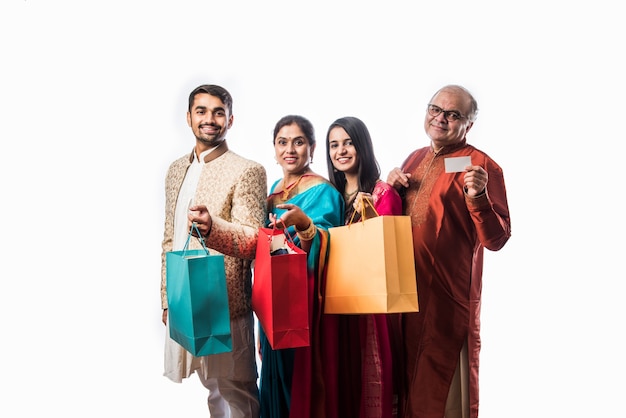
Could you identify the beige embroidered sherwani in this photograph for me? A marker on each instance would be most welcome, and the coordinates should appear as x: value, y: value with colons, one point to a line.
x: 234, y: 190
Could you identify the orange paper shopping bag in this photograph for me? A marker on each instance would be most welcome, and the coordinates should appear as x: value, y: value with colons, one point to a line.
x: 371, y: 267
x: 279, y: 292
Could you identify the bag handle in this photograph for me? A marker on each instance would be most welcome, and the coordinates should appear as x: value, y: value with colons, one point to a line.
x: 364, y: 201
x: 288, y: 236
x: 194, y: 226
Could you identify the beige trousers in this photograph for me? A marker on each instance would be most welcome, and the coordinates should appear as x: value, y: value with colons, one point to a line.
x: 457, y: 405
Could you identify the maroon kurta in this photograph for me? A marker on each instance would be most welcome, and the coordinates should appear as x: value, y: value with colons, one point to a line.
x: 450, y: 231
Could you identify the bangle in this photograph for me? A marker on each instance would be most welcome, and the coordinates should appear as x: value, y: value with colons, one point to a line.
x: 308, y: 233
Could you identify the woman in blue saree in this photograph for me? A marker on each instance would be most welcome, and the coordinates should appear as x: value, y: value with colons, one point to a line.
x: 302, y: 382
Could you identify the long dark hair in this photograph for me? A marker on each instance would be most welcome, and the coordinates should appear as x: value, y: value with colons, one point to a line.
x: 368, y: 170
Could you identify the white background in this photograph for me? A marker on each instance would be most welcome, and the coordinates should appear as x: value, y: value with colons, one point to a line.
x: 92, y: 106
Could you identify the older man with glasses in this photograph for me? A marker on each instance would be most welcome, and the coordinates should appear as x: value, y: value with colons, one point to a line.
x: 456, y: 198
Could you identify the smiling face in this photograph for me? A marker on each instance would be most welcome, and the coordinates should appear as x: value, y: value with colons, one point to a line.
x: 444, y: 130
x: 293, y: 151
x: 209, y: 120
x: 342, y: 151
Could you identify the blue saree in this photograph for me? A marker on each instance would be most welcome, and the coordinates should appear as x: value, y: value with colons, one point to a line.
x: 293, y: 381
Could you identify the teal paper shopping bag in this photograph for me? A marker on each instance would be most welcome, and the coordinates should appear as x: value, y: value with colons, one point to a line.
x: 197, y: 298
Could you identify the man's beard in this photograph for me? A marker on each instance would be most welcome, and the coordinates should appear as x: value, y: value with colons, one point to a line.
x: 210, y: 139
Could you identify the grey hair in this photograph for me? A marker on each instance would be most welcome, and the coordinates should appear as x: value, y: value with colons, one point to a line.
x: 473, y: 113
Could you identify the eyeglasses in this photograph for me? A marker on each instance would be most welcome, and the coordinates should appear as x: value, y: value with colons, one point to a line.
x: 449, y: 115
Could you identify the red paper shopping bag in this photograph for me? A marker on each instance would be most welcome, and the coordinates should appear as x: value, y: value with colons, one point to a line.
x: 279, y: 292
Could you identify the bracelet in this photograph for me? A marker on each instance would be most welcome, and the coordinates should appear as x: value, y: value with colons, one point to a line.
x: 308, y: 233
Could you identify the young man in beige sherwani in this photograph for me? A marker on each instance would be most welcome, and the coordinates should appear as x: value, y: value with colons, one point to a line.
x: 233, y: 189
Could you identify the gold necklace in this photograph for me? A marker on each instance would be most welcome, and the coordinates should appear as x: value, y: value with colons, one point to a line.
x: 348, y: 196
x: 289, y: 188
